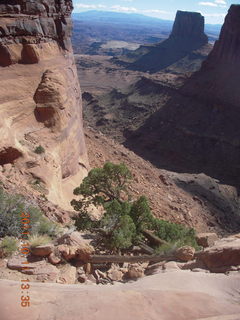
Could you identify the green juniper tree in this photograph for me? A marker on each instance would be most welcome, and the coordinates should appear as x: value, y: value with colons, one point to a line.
x: 123, y: 220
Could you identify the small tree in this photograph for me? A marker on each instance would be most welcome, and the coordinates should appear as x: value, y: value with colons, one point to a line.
x: 104, y: 185
x: 123, y: 220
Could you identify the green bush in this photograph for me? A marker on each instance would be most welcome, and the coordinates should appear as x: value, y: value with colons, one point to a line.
x: 173, y: 232
x: 39, y: 150
x: 36, y: 240
x: 9, y: 246
x: 123, y: 220
x: 11, y: 207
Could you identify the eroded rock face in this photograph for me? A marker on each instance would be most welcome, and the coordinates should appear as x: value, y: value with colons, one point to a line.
x: 189, y: 25
x: 40, y: 100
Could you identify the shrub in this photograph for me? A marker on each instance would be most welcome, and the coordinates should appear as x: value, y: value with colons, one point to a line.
x: 123, y: 221
x: 173, y: 232
x: 39, y: 150
x: 103, y: 185
x: 11, y: 206
x: 36, y: 240
x: 9, y: 246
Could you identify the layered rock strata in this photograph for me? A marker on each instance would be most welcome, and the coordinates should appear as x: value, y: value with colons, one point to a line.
x: 40, y: 105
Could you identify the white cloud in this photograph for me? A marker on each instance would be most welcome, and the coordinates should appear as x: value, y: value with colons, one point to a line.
x: 209, y: 4
x: 220, y: 2
x: 89, y: 6
x: 119, y: 8
x: 216, y: 3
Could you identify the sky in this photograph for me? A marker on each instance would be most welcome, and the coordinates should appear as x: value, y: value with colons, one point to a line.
x: 213, y: 10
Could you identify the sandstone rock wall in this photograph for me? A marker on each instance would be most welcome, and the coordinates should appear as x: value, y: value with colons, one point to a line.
x: 219, y: 74
x: 40, y: 102
x: 189, y: 25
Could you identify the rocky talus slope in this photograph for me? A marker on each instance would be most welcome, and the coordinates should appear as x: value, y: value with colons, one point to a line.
x: 197, y: 130
x: 187, y: 35
x: 195, y: 200
x: 41, y: 131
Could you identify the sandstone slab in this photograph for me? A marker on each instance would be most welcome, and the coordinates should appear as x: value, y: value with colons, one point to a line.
x: 42, y: 251
x: 224, y: 253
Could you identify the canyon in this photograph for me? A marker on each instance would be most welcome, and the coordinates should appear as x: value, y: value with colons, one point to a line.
x: 197, y: 129
x: 174, y: 123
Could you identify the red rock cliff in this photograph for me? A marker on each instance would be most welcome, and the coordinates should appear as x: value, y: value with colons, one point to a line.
x: 40, y: 102
x: 197, y: 130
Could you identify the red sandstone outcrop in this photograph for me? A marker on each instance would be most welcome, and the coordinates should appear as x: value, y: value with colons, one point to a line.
x: 40, y: 102
x: 223, y: 255
x: 217, y: 78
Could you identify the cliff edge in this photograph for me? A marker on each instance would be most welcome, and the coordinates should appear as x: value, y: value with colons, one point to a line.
x: 42, y: 145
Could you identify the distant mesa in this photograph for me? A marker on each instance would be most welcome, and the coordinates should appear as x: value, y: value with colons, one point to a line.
x: 187, y: 35
x: 198, y: 130
x: 189, y: 25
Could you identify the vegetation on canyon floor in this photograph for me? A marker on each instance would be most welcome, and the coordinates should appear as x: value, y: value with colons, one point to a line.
x: 124, y: 220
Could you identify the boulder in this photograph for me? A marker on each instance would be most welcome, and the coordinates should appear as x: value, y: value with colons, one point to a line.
x: 225, y: 253
x: 193, y: 264
x: 115, y: 274
x: 81, y: 275
x: 170, y: 266
x: 206, y: 239
x: 135, y: 271
x: 42, y: 251
x: 80, y: 252
x: 82, y: 278
x: 84, y: 253
x: 185, y: 253
x: 54, y: 259
x: 17, y: 263
x: 82, y: 249
x: 154, y: 268
x: 72, y: 239
x: 45, y: 272
x: 68, y: 274
x: 67, y: 252
x: 40, y: 268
